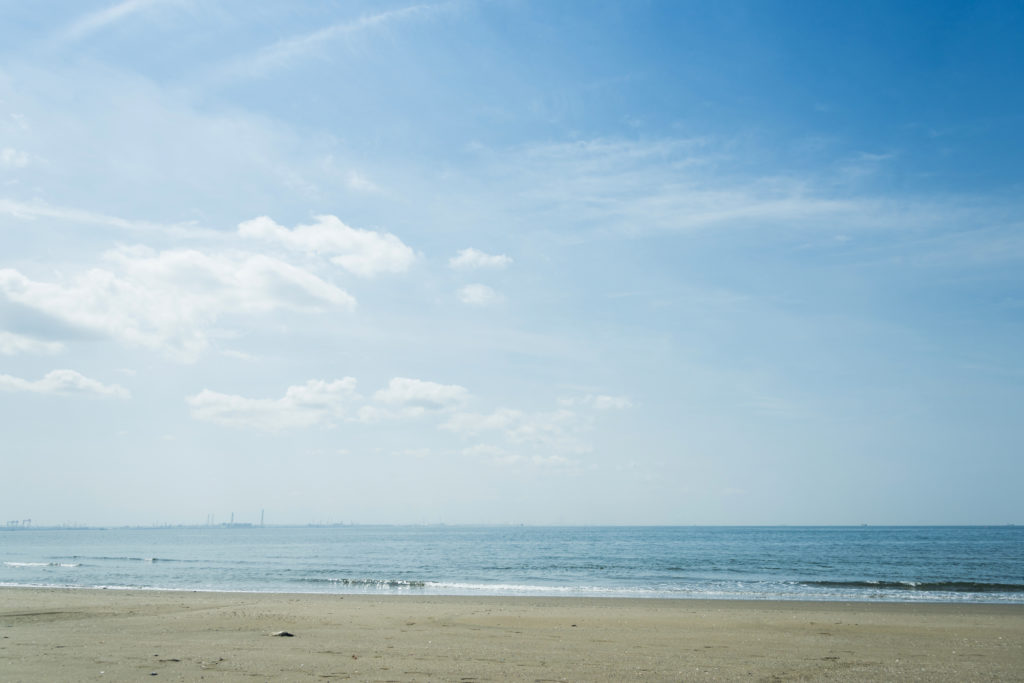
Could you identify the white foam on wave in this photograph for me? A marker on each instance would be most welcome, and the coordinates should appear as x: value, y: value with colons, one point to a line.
x: 532, y: 589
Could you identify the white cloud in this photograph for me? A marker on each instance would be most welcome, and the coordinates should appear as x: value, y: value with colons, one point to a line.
x: 321, y: 402
x: 362, y: 252
x: 12, y: 157
x: 470, y: 259
x: 63, y: 383
x: 478, y: 295
x: 12, y: 344
x: 305, y: 405
x: 168, y: 300
x: 414, y: 396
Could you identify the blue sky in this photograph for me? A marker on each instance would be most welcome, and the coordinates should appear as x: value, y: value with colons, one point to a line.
x: 528, y: 262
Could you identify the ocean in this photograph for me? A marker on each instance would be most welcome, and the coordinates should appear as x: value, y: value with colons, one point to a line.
x: 891, y: 564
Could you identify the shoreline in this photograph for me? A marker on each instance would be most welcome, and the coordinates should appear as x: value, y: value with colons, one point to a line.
x: 120, y: 634
x: 553, y: 595
x: 543, y: 595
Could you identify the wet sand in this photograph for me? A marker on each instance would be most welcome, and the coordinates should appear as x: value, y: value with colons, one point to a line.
x: 108, y: 635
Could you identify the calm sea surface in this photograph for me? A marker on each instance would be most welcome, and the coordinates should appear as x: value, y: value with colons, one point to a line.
x: 944, y: 564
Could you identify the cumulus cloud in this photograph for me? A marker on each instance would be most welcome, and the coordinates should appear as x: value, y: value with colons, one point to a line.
x: 321, y: 402
x: 361, y: 252
x: 478, y: 295
x: 304, y: 405
x: 168, y: 300
x: 415, y: 396
x: 63, y: 383
x: 12, y: 344
x: 504, y: 436
x: 471, y: 259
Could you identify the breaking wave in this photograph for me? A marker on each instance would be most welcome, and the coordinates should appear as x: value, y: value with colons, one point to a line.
x: 935, y: 586
x: 382, y: 584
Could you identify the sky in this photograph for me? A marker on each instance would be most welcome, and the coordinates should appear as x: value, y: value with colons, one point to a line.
x: 605, y: 262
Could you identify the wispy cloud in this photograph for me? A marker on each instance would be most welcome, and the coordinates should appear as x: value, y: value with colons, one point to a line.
x: 641, y: 187
x: 507, y: 457
x: 96, y: 21
x: 360, y: 183
x: 36, y: 210
x: 559, y: 431
x: 599, y: 402
x: 284, y: 52
x: 509, y: 436
x: 478, y: 295
x: 13, y: 158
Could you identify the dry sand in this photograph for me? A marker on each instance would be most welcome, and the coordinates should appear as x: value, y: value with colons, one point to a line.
x: 107, y: 635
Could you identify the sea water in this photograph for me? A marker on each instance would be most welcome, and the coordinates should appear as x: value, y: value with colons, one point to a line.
x: 896, y: 564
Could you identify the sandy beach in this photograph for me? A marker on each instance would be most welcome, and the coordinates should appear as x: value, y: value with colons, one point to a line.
x: 108, y: 635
